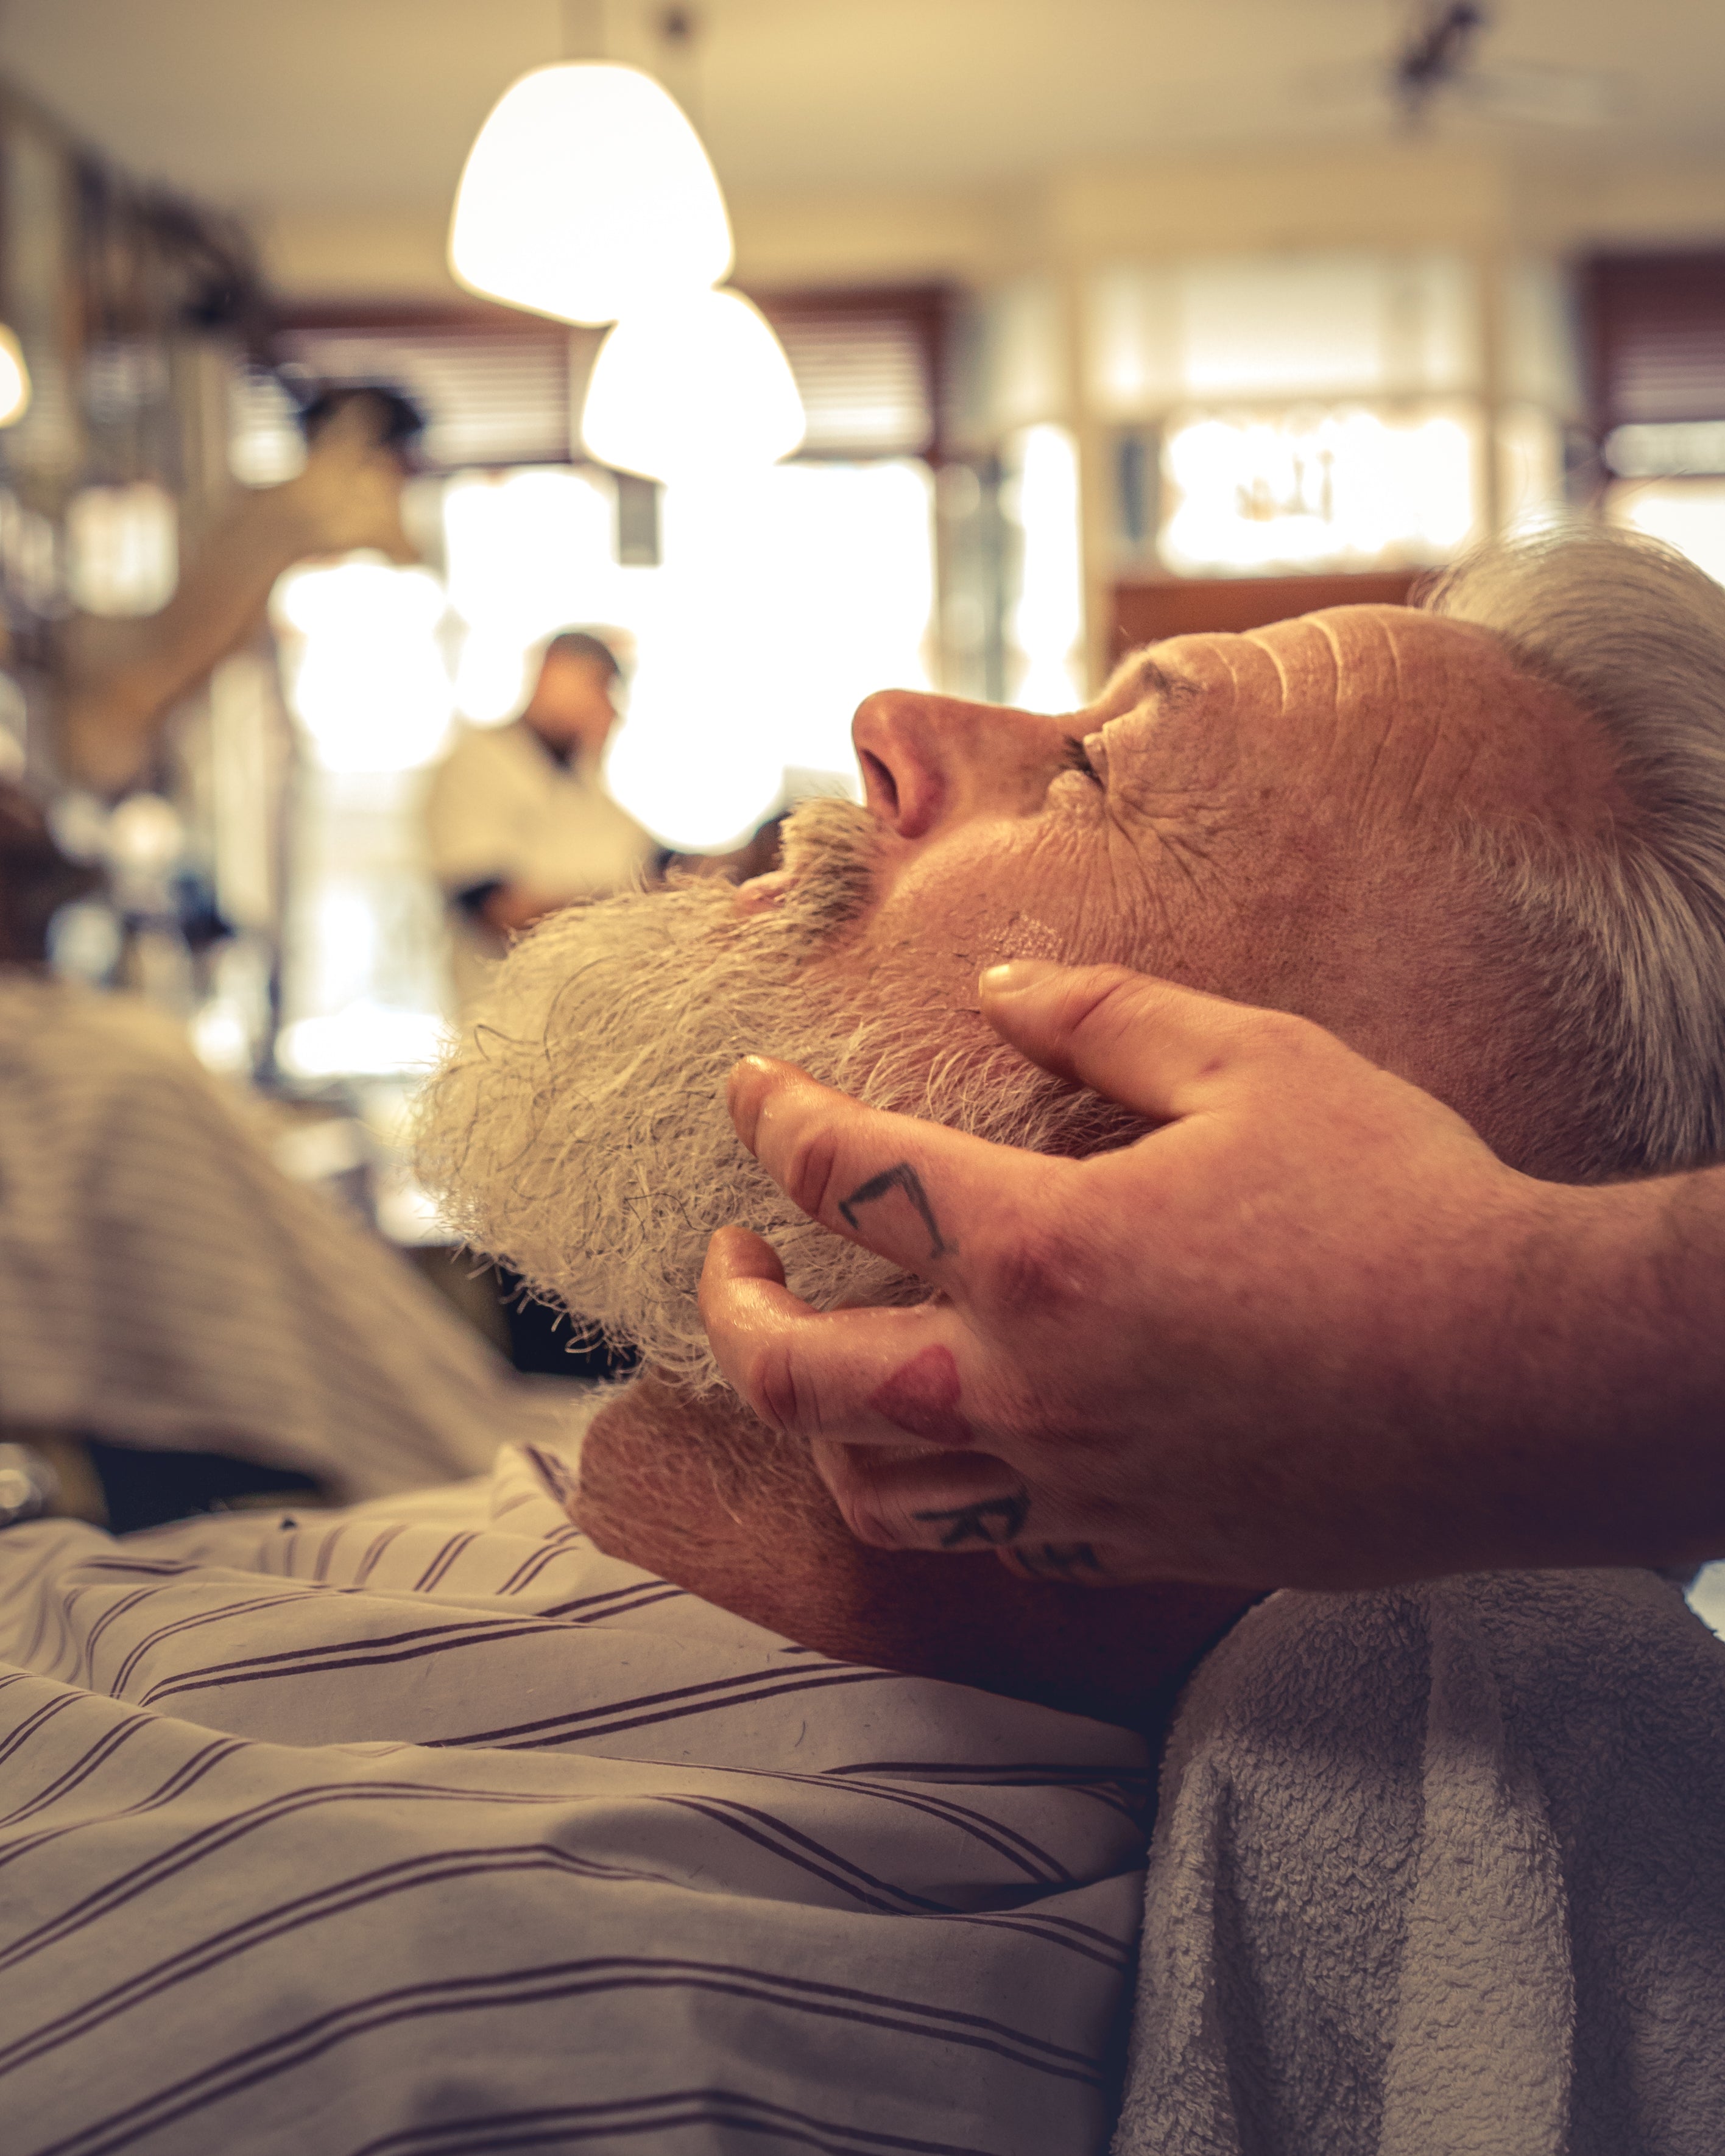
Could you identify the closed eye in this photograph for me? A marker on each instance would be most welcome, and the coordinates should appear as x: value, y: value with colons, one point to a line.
x: 1076, y: 756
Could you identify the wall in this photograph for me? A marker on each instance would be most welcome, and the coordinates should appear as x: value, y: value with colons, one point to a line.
x: 1392, y: 193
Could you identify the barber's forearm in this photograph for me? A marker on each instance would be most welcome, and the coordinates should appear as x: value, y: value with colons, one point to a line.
x: 1633, y: 1354
x: 1556, y: 1399
x: 348, y: 496
x: 225, y: 587
x: 112, y: 716
x: 228, y: 583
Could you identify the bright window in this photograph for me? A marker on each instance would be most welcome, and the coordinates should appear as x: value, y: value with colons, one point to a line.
x: 365, y: 674
x: 1341, y: 488
x: 122, y: 548
x: 1045, y: 625
x: 779, y: 606
x: 1688, y: 514
x: 1358, y: 324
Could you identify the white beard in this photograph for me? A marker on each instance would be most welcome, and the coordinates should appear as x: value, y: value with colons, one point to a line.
x: 577, y: 1129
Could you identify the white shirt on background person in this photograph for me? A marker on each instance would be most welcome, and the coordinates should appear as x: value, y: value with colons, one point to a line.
x: 503, y: 807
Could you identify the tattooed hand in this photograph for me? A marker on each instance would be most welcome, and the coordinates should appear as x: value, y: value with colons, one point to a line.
x: 1309, y: 1331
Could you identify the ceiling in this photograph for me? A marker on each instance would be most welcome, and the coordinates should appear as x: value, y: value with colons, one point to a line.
x: 282, y: 107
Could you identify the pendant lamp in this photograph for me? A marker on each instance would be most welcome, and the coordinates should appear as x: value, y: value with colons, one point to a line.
x: 696, y: 385
x: 587, y: 195
x: 14, y: 380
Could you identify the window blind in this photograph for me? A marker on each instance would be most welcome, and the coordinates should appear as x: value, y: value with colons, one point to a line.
x: 867, y: 366
x: 1657, y: 326
x: 492, y: 394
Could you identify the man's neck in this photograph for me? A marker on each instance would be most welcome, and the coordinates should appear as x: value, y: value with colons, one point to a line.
x: 701, y: 1493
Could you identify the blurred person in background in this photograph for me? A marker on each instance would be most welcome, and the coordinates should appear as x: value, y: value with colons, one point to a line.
x: 519, y: 822
x: 123, y: 679
x: 518, y: 818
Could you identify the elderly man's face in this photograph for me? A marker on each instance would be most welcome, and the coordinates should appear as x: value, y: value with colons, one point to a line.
x: 1225, y: 808
x: 1268, y: 816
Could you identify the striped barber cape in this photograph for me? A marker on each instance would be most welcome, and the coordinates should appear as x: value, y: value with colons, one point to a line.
x: 163, y: 1283
x: 426, y: 1827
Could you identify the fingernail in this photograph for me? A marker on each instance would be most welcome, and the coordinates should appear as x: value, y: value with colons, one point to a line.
x: 1016, y: 976
x: 744, y: 1091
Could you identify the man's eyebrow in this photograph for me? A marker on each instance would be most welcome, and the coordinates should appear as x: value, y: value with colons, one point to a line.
x: 1140, y: 673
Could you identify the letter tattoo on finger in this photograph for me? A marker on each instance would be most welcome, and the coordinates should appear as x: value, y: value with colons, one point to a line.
x: 902, y: 1176
x: 992, y: 1521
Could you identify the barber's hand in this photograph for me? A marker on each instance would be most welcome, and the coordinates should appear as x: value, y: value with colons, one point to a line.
x: 1246, y: 1349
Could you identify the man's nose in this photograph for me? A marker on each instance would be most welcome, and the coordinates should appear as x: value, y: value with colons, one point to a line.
x: 932, y: 760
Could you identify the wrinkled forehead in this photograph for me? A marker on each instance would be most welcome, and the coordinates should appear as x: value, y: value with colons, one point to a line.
x: 1406, y: 702
x: 1353, y: 657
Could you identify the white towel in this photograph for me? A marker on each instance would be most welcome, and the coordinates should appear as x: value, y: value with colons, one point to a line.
x: 1441, y: 1871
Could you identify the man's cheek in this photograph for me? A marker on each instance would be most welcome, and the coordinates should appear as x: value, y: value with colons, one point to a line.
x: 986, y: 895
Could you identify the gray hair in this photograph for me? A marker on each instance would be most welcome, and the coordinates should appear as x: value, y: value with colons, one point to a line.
x: 1630, y: 934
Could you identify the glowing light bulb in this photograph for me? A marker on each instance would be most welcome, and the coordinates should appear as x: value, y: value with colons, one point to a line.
x: 696, y: 385
x: 14, y: 380
x: 587, y: 194
x: 367, y: 679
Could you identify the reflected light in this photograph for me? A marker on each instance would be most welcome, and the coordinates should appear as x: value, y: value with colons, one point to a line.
x: 364, y: 1038
x: 122, y: 546
x: 784, y: 598
x: 692, y: 386
x: 15, y: 379
x: 588, y: 194
x: 368, y: 682
x: 1327, y: 490
x: 1688, y: 514
x: 220, y: 1039
x: 145, y: 835
x: 1047, y: 622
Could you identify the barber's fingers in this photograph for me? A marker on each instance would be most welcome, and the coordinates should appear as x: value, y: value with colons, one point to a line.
x: 870, y: 1377
x: 914, y: 1193
x: 1161, y: 1050
x: 889, y: 1404
x: 962, y: 1503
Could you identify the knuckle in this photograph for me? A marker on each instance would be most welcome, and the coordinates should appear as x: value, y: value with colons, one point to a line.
x: 1041, y: 1270
x: 769, y: 1385
x: 809, y: 1168
x: 1286, y: 1038
x: 1115, y: 1000
x: 865, y: 1504
x: 871, y: 1522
